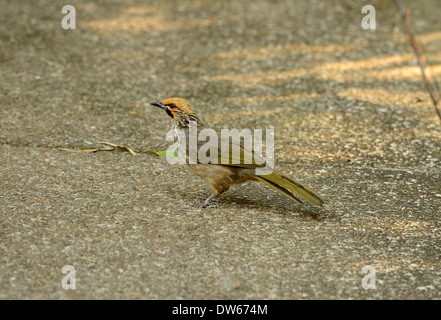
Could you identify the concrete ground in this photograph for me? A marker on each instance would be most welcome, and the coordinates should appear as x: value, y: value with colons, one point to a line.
x: 352, y: 120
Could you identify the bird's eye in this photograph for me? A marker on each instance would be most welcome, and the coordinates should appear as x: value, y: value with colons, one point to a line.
x: 172, y: 106
x: 172, y: 110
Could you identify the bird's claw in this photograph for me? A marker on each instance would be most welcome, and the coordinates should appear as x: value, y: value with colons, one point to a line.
x: 205, y: 198
x: 201, y: 205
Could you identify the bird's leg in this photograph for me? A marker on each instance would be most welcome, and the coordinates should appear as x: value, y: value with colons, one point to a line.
x: 208, y: 200
x: 205, y: 198
x: 205, y: 204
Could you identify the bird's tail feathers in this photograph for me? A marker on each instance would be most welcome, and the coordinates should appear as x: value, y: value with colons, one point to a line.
x: 279, y: 188
x: 289, y: 187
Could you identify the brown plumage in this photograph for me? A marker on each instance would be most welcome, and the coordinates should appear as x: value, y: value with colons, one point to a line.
x: 222, y: 176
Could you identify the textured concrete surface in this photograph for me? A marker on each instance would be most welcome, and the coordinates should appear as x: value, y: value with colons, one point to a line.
x: 351, y: 117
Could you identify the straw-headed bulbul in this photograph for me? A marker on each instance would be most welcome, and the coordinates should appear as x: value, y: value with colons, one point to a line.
x: 224, y: 172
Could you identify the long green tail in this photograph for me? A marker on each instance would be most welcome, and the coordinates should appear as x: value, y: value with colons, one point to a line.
x: 290, y: 187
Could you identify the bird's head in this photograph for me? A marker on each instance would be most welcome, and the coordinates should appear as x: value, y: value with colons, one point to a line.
x: 179, y: 110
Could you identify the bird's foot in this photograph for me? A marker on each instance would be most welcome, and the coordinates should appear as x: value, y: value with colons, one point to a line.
x: 206, y: 203
x: 201, y: 205
x: 211, y: 200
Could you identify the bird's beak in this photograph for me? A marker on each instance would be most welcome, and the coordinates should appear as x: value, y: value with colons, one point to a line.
x: 158, y: 104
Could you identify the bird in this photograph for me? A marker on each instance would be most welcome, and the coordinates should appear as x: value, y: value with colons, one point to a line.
x: 221, y: 175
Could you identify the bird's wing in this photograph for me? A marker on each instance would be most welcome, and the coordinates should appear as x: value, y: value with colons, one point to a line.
x: 239, y: 156
x: 236, y: 155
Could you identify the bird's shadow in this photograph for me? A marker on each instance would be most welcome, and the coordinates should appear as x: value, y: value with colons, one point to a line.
x: 274, y: 205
